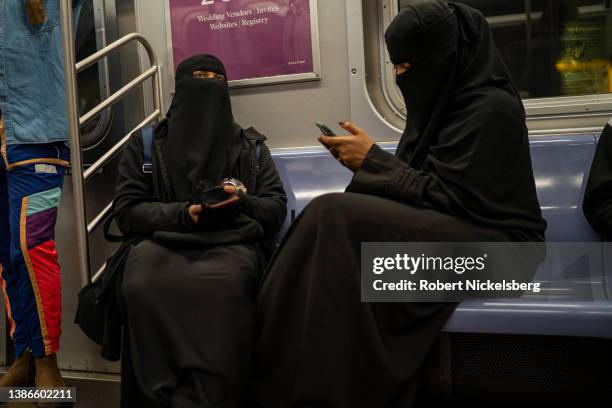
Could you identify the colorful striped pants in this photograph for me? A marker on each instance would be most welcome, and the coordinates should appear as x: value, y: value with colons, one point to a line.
x: 29, y: 270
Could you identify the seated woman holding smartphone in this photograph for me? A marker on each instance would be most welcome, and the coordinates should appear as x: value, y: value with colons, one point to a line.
x: 462, y: 172
x: 206, y: 212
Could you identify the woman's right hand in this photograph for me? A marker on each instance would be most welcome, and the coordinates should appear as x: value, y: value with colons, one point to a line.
x: 194, y: 212
x: 350, y: 150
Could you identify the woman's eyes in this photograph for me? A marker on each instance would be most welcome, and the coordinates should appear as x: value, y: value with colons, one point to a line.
x: 400, y: 69
x: 210, y: 76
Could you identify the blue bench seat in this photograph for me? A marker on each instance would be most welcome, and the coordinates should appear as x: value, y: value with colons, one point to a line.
x: 561, y: 165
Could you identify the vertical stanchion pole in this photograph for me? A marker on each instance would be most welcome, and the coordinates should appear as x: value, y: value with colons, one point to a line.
x: 74, y: 131
x: 528, y: 22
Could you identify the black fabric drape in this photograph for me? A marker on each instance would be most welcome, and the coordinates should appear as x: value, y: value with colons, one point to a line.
x: 597, y: 204
x: 143, y: 205
x: 190, y: 317
x: 465, y: 135
x: 189, y: 309
x: 462, y: 172
x: 317, y: 344
x: 201, y: 129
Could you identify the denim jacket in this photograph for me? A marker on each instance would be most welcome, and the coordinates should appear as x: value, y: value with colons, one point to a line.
x: 32, y: 97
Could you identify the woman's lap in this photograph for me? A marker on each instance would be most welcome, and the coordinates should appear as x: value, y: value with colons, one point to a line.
x: 179, y: 305
x: 154, y: 267
x: 313, y: 326
x: 380, y: 218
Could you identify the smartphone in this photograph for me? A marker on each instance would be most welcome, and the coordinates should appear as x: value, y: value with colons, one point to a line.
x: 216, y: 197
x: 325, y: 129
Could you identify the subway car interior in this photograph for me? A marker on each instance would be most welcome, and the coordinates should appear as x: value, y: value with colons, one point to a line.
x: 551, y: 347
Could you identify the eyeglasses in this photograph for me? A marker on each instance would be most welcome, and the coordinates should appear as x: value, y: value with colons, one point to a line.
x: 208, y: 74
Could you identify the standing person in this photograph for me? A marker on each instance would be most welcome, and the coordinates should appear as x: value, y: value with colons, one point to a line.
x: 33, y: 132
x: 462, y: 172
x: 189, y: 286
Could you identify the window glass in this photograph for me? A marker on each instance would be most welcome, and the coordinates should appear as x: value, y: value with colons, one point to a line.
x: 552, y: 47
x: 85, y: 45
x: 88, y: 81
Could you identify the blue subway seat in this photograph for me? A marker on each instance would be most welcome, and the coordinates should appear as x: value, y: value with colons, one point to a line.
x: 561, y: 165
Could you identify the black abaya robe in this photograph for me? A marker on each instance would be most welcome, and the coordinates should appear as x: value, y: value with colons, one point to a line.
x: 597, y: 204
x: 188, y: 287
x: 318, y: 345
x: 191, y: 322
x: 462, y: 172
x: 189, y: 308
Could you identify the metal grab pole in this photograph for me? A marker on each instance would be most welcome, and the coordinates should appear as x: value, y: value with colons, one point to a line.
x: 74, y: 132
x: 114, y: 98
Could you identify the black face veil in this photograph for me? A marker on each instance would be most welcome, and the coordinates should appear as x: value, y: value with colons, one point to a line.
x: 452, y: 53
x: 201, y: 129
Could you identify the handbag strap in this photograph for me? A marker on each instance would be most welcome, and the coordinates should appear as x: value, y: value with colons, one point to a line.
x: 147, y: 168
x: 147, y: 141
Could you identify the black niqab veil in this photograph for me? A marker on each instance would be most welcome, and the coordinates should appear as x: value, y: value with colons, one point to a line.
x: 201, y: 128
x: 408, y: 40
x: 465, y: 122
x: 452, y: 52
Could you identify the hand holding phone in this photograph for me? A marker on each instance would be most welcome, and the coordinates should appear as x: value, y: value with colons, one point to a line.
x: 216, y: 197
x: 350, y: 150
x: 325, y: 129
x: 214, y: 207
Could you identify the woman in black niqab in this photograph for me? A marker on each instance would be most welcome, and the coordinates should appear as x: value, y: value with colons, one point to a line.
x: 189, y: 285
x: 462, y: 172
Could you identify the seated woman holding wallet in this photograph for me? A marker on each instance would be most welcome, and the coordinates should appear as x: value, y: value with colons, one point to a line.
x: 189, y: 285
x: 462, y: 172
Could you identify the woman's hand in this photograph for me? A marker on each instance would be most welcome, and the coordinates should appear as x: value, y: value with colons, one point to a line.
x: 194, y: 212
x: 230, y: 189
x: 351, y: 150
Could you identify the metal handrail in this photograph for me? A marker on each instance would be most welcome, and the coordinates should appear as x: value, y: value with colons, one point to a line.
x: 95, y: 223
x: 101, y: 217
x: 117, y: 96
x: 98, y: 273
x: 106, y: 157
x: 104, y: 52
x: 71, y: 68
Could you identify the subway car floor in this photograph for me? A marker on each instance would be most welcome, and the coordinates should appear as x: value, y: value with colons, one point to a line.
x: 93, y: 390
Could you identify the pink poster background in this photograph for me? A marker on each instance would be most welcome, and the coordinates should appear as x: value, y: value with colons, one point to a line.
x: 253, y: 38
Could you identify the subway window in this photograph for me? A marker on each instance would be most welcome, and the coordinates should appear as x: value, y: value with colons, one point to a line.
x: 89, y: 81
x: 559, y: 53
x: 85, y: 45
x: 552, y: 48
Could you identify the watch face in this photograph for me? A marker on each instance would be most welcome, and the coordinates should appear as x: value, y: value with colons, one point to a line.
x: 236, y: 183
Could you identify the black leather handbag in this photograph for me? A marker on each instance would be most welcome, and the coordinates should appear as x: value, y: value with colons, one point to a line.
x: 99, y: 311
